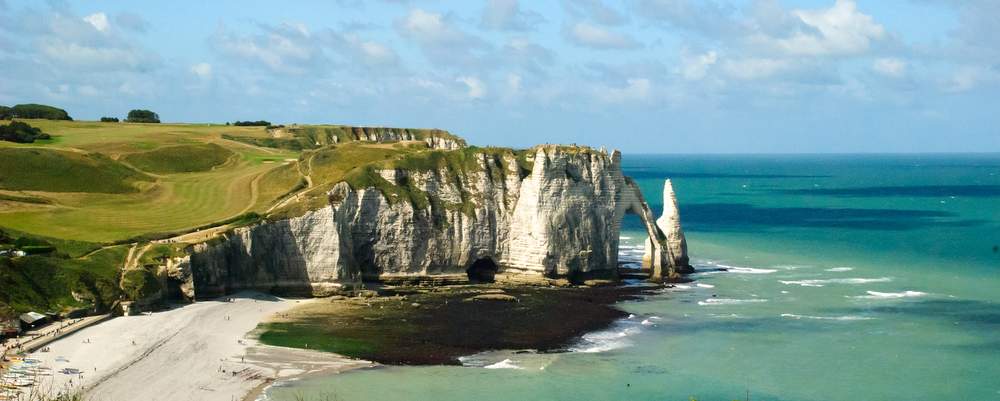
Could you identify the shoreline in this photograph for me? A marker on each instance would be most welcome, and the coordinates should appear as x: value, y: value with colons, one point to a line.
x: 203, y: 351
x: 214, y: 350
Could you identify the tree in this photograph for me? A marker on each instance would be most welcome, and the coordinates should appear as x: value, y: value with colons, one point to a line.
x: 109, y: 119
x: 142, y: 116
x: 259, y: 123
x: 32, y: 110
x: 21, y: 132
x: 5, y: 113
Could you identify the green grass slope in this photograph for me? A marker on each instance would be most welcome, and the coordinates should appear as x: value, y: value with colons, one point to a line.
x: 30, y: 169
x: 180, y: 158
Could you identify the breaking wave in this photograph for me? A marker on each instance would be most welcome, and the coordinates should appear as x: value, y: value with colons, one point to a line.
x: 840, y: 269
x: 839, y: 318
x: 729, y: 301
x: 822, y: 282
x: 890, y: 295
x: 504, y: 364
x: 606, y: 340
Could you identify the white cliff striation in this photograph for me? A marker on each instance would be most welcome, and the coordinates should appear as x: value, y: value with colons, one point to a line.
x: 556, y: 212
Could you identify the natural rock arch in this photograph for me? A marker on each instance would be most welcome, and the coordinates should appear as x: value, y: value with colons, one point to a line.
x: 661, y: 261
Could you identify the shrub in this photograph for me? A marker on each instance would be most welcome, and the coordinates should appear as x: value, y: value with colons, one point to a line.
x: 21, y: 132
x: 109, y: 119
x: 39, y: 111
x: 142, y: 116
x: 5, y: 113
x: 258, y: 123
x: 140, y: 284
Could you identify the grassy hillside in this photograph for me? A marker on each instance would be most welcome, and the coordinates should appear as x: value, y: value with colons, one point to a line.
x: 180, y: 158
x: 33, y: 169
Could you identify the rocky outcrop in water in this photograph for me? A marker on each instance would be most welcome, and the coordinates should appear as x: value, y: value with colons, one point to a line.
x: 555, y: 213
x: 670, y: 224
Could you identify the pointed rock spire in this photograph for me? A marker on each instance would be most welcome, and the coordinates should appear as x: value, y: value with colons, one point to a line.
x: 670, y: 223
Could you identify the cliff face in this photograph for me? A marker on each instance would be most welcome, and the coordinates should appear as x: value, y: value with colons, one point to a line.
x: 492, y: 217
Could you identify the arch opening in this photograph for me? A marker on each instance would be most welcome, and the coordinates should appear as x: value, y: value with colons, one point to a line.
x: 483, y: 270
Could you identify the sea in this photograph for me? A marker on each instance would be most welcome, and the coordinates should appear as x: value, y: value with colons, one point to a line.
x: 819, y: 277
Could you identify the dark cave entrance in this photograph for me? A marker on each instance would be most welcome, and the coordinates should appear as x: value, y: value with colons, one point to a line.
x: 483, y: 270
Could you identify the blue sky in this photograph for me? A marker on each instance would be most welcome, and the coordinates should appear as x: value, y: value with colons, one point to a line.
x: 651, y: 76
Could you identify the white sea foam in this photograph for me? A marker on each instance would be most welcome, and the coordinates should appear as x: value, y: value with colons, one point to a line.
x: 729, y: 301
x: 701, y: 285
x: 890, y: 295
x: 504, y: 364
x: 647, y: 322
x: 822, y: 282
x: 607, y: 340
x: 682, y: 287
x: 624, y: 237
x: 737, y: 269
x: 790, y: 267
x: 840, y: 269
x: 840, y: 318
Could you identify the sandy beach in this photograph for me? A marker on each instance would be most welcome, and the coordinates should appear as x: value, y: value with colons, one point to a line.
x: 191, y: 352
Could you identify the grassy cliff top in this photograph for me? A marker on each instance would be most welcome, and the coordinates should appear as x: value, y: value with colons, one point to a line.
x: 112, y: 182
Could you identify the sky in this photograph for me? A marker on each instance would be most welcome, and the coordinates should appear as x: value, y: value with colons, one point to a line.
x: 643, y: 76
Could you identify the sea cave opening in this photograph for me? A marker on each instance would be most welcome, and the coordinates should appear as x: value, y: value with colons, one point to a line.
x: 483, y: 270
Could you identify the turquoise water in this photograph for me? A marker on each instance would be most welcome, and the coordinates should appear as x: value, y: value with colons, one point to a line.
x: 850, y: 278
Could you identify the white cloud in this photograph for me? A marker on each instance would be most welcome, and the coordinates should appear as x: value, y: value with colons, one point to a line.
x: 429, y: 27
x: 756, y: 68
x: 100, y: 57
x: 593, y: 36
x: 969, y: 77
x: 98, y: 20
x: 441, y: 42
x: 286, y: 48
x: 372, y: 53
x: 890, y: 67
x: 635, y: 89
x: 476, y: 89
x: 694, y: 67
x: 202, y: 70
x: 88, y: 90
x: 508, y: 15
x: 594, y: 10
x: 514, y: 83
x: 838, y: 30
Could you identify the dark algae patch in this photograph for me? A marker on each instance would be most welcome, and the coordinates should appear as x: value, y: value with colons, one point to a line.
x: 414, y: 327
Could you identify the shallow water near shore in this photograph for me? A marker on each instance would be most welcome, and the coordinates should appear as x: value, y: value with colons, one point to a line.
x: 820, y: 278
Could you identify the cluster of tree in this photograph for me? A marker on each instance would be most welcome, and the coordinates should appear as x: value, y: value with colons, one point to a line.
x: 21, y: 132
x: 33, y: 111
x: 259, y: 123
x: 142, y: 116
x: 109, y: 119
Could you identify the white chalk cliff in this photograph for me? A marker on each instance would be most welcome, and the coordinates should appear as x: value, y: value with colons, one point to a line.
x: 555, y: 214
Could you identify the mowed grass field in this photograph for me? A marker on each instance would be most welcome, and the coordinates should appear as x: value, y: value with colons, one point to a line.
x: 142, y: 179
